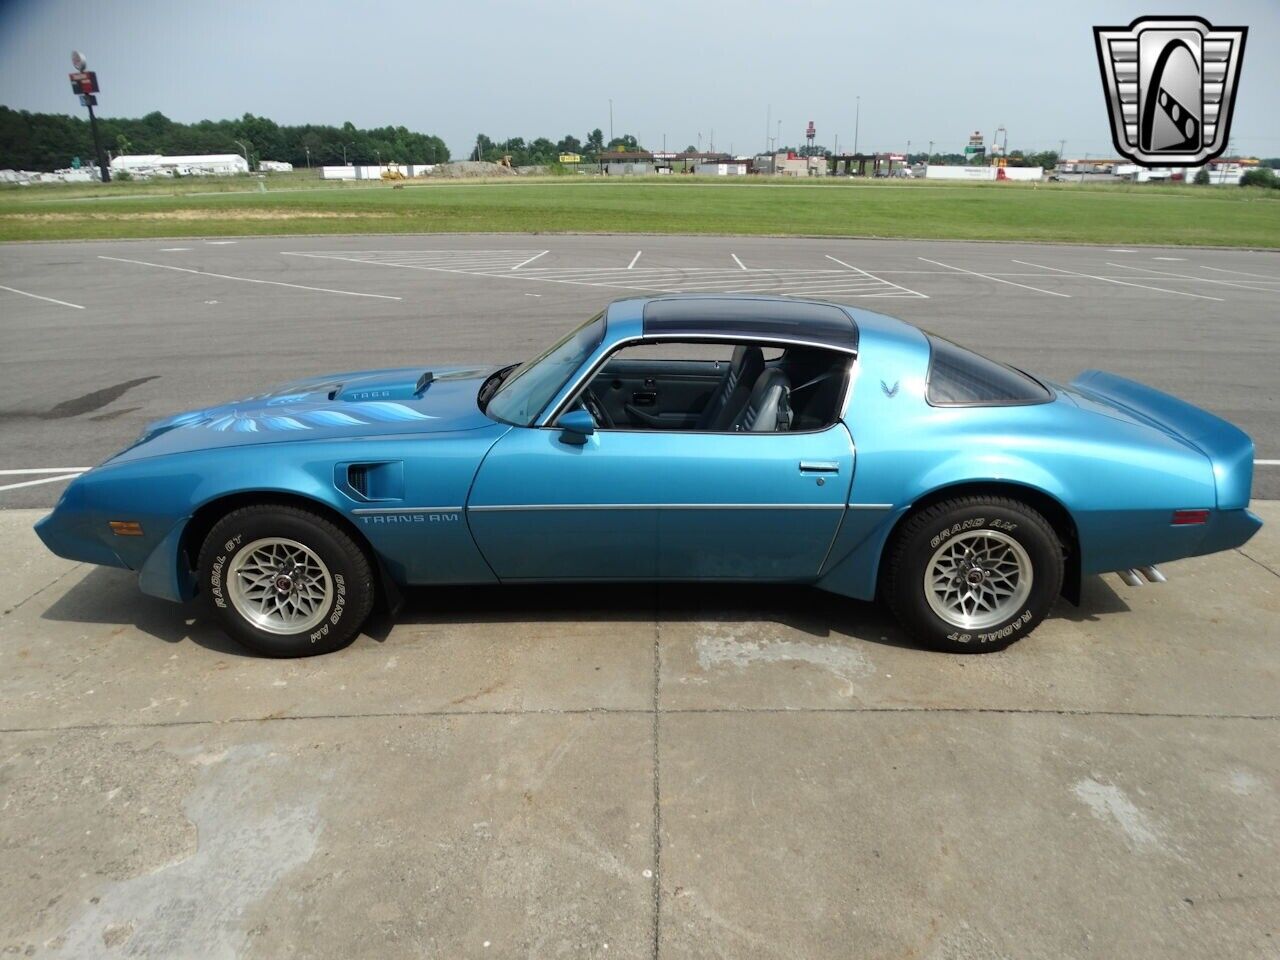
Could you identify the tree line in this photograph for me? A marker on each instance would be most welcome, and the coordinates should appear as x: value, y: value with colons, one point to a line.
x: 544, y: 150
x: 49, y: 141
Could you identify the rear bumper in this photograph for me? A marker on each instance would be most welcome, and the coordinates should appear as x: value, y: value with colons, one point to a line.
x: 1121, y: 540
x: 1228, y: 529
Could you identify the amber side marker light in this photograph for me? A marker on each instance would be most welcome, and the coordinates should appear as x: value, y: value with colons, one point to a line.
x: 1190, y: 518
x: 126, y: 528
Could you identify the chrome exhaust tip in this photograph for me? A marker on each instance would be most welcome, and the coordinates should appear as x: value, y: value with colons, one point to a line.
x: 1153, y: 575
x: 1130, y: 577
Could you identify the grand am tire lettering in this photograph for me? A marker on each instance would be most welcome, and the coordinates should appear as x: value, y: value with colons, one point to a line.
x: 973, y: 524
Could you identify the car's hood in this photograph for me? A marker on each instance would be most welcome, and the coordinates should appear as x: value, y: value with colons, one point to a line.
x: 358, y: 404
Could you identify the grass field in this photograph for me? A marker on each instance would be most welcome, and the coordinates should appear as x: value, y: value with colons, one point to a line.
x: 1120, y: 214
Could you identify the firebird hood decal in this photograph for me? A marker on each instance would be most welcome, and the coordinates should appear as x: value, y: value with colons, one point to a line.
x: 339, y: 406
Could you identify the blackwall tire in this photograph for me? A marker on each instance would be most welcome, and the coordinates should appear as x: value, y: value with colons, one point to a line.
x: 974, y: 574
x: 285, y: 582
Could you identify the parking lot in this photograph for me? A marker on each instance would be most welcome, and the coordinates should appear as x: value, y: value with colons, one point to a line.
x: 671, y: 771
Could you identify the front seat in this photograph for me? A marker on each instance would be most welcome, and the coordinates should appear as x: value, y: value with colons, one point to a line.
x: 767, y: 408
x: 731, y: 396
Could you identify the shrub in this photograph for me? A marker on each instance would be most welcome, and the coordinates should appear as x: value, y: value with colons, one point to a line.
x: 1260, y: 177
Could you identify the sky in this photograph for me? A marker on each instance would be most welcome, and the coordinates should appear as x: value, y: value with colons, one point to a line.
x: 700, y: 72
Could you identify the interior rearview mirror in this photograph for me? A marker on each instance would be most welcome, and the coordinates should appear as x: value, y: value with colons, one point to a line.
x: 576, y: 426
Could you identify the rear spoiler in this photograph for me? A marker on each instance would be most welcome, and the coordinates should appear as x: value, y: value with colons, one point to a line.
x: 1228, y: 448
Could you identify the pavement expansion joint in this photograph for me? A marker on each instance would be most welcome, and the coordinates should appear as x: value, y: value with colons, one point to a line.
x: 625, y: 712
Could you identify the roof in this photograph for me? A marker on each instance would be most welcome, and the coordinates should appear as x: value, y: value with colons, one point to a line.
x: 751, y: 317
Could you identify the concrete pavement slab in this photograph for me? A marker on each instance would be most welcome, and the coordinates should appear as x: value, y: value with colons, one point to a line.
x: 28, y: 566
x: 954, y: 835
x: 457, y: 837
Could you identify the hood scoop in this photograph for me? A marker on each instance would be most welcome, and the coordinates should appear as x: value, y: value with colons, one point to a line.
x: 390, y: 386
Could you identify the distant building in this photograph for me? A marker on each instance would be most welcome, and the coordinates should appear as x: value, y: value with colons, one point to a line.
x: 154, y: 165
x: 791, y: 165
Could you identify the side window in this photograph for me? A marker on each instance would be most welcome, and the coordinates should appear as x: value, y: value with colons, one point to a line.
x: 962, y: 378
x: 717, y: 387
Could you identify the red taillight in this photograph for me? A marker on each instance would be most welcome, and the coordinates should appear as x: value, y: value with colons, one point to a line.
x: 1189, y: 518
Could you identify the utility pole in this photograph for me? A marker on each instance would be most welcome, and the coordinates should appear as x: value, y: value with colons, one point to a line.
x: 857, y: 117
x: 85, y: 85
x: 611, y: 121
x: 308, y: 149
x: 929, y: 159
x: 768, y: 125
x: 1062, y: 150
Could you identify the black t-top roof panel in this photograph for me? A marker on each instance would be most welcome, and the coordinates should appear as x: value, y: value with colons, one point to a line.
x: 751, y: 317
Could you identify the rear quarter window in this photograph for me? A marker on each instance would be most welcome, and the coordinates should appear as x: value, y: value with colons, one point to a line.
x: 962, y: 378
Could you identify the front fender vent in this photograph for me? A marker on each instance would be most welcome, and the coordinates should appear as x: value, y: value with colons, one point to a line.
x: 358, y: 478
x: 382, y: 480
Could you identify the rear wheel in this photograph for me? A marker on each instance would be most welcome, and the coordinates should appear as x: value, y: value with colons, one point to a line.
x: 285, y: 582
x: 974, y: 574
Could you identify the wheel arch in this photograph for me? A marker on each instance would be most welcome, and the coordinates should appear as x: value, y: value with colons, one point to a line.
x: 1047, y: 505
x: 211, y: 511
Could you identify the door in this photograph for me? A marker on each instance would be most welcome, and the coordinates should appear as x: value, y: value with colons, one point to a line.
x: 763, y: 506
x: 670, y: 505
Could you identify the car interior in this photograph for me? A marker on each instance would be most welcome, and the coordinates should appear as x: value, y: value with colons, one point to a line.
x: 717, y: 388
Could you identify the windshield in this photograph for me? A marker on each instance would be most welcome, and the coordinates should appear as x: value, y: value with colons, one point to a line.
x: 527, y: 391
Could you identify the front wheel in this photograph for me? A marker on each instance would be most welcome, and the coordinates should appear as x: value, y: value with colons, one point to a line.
x: 285, y: 582
x: 974, y: 574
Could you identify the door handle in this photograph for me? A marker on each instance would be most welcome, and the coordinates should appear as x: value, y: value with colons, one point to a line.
x: 819, y: 466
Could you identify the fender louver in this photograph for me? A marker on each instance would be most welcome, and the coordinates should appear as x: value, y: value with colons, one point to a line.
x: 358, y: 479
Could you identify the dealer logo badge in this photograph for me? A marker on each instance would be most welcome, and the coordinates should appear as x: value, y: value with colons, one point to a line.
x: 1171, y: 86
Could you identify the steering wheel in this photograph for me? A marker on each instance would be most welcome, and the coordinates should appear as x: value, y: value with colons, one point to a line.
x: 591, y: 403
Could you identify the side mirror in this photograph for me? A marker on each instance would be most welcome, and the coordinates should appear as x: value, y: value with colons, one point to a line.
x: 576, y: 426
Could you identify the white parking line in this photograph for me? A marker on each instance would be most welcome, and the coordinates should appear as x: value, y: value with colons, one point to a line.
x: 531, y: 259
x: 219, y: 243
x: 173, y: 249
x: 1189, y: 276
x: 1241, y: 273
x: 914, y: 293
x: 32, y: 483
x: 737, y: 261
x: 1168, y: 258
x: 984, y: 276
x: 29, y: 471
x: 1123, y: 283
x: 223, y: 276
x: 1266, y: 463
x: 36, y: 296
x: 632, y: 264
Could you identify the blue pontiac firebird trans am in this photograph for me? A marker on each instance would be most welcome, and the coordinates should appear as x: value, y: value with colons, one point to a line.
x: 730, y: 438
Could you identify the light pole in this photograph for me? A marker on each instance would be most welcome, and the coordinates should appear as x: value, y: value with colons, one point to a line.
x: 244, y: 150
x: 777, y: 141
x: 308, y: 150
x: 929, y: 159
x: 611, y: 121
x: 857, y: 117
